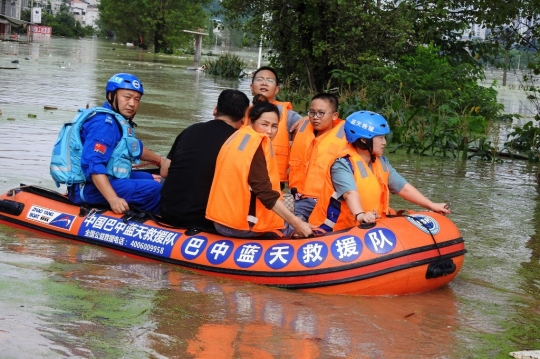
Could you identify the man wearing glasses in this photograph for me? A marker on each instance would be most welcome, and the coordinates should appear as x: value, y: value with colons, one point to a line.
x: 319, y: 139
x: 266, y: 82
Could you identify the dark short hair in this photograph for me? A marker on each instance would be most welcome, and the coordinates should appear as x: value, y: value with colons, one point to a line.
x: 328, y: 97
x: 232, y: 103
x: 260, y: 106
x: 267, y: 68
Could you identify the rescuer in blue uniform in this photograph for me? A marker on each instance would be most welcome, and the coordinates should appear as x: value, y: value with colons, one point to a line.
x: 109, y: 148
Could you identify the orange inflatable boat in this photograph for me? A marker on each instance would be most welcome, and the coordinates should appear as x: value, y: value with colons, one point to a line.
x: 405, y: 254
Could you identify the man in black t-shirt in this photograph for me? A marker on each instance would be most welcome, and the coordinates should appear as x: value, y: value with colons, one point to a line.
x: 193, y: 161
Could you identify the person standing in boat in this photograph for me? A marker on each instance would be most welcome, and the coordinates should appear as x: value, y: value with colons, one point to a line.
x: 359, y: 182
x: 265, y: 82
x: 245, y: 199
x: 319, y: 139
x: 192, y: 163
x: 109, y: 147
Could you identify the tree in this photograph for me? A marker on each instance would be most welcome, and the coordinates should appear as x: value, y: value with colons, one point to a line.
x: 25, y: 14
x: 161, y: 21
x: 310, y: 38
x: 64, y: 24
x: 517, y: 22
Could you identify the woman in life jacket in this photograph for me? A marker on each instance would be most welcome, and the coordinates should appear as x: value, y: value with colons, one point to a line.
x: 359, y: 182
x: 245, y: 199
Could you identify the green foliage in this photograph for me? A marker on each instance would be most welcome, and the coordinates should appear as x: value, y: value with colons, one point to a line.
x: 227, y: 65
x: 433, y: 107
x: 405, y: 59
x: 426, y: 78
x: 301, y: 97
x: 311, y: 38
x: 64, y: 24
x: 25, y: 14
x: 526, y: 139
x: 444, y: 133
x: 515, y: 29
x: 158, y: 22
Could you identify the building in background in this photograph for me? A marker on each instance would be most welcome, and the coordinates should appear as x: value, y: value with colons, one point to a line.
x: 84, y: 11
x: 48, y: 6
x: 10, y: 17
x: 55, y: 5
x: 476, y: 32
x: 11, y: 8
x: 78, y: 9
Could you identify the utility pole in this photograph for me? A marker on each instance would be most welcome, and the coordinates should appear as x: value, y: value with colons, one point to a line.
x: 31, y: 31
x: 260, y: 53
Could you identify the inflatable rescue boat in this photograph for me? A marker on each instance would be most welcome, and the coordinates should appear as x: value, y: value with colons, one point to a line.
x: 404, y: 254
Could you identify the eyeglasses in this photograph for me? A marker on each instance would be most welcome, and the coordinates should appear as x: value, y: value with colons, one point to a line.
x: 268, y: 80
x: 318, y: 114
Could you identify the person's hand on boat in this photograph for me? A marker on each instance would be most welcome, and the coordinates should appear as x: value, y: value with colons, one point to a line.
x: 369, y: 217
x: 301, y: 229
x: 101, y: 181
x: 442, y: 208
x: 118, y: 205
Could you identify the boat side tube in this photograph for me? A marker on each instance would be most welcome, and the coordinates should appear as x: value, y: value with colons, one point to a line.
x: 11, y: 207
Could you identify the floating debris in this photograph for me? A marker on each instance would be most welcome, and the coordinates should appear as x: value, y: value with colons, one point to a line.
x: 31, y: 115
x: 527, y: 354
x: 15, y: 61
x: 50, y: 108
x: 11, y: 119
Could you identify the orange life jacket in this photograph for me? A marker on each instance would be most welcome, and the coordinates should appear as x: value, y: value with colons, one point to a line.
x: 332, y: 214
x: 230, y: 195
x: 311, y: 156
x: 281, y: 142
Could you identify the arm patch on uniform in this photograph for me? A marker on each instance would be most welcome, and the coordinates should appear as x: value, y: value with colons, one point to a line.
x: 101, y: 148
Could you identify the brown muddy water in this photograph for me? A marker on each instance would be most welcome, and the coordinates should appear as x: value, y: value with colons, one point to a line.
x: 64, y: 299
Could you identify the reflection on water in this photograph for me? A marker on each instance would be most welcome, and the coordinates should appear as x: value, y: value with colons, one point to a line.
x: 69, y: 75
x: 511, y: 96
x: 91, y: 300
x: 62, y: 298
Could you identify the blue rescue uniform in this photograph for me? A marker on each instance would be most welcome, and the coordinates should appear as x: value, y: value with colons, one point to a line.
x: 100, y: 135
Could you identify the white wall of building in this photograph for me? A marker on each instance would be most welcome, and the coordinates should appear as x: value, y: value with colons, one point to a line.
x: 11, y: 8
x: 85, y: 11
x: 55, y: 5
x: 92, y: 15
x: 476, y: 31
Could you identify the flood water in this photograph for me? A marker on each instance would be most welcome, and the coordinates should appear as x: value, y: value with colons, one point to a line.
x: 60, y: 298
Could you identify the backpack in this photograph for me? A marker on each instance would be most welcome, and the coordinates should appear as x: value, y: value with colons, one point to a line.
x: 66, y: 156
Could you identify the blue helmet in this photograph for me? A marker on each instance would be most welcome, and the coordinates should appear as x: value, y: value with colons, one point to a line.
x: 124, y: 81
x: 365, y: 124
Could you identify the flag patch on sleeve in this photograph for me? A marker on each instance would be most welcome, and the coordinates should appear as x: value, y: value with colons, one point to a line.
x: 99, y: 147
